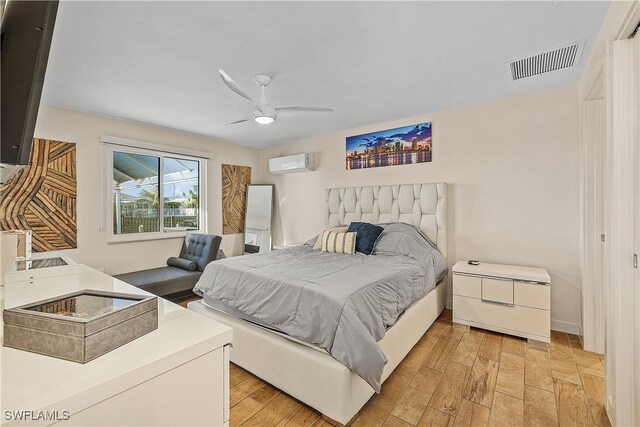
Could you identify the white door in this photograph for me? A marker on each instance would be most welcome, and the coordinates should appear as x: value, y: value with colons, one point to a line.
x: 622, y: 348
x: 594, y: 152
x: 634, y: 291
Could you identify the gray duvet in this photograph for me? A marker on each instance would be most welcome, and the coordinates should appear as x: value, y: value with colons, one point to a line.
x: 341, y: 303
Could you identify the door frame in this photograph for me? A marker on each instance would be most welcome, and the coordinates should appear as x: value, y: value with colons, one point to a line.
x: 626, y: 17
x: 622, y: 348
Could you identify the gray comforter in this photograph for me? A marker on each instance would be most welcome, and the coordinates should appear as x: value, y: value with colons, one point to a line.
x: 341, y: 303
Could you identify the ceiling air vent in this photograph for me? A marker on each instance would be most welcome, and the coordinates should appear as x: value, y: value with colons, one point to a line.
x: 557, y: 59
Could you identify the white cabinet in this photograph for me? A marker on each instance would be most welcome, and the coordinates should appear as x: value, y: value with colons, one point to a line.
x: 176, y: 375
x: 504, y: 298
x: 164, y: 400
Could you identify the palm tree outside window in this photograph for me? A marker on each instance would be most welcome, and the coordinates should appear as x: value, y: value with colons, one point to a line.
x: 141, y: 182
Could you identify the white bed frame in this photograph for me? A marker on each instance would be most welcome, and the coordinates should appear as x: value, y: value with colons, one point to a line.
x: 313, y: 376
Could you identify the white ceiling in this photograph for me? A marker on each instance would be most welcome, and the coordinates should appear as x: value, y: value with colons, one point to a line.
x: 157, y: 62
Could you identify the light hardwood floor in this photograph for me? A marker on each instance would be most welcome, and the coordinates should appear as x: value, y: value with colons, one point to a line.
x: 457, y: 376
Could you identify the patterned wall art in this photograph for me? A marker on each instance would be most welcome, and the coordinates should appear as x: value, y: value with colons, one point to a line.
x: 234, y: 197
x: 400, y: 146
x: 42, y: 197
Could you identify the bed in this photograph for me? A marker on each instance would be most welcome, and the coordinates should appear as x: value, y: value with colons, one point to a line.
x: 311, y: 374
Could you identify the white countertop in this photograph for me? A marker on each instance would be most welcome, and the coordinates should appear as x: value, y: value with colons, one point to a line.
x: 35, y: 382
x: 532, y: 274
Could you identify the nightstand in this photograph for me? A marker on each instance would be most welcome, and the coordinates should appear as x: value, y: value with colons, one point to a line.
x: 504, y: 298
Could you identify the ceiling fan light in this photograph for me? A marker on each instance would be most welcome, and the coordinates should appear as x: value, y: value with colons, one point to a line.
x: 263, y: 120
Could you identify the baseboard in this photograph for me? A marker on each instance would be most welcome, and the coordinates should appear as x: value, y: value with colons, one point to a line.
x: 581, y: 335
x: 568, y: 327
x: 610, y: 411
x: 450, y: 304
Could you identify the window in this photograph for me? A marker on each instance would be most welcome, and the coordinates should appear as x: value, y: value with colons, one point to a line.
x: 152, y: 193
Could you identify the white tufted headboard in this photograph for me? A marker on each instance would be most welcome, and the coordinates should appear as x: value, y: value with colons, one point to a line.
x: 423, y: 205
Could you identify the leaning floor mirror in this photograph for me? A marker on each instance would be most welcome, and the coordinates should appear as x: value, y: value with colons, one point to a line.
x: 257, y: 220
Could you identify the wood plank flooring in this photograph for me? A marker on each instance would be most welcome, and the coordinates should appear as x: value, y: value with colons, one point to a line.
x: 457, y: 376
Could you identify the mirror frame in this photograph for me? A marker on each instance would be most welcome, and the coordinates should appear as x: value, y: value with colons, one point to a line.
x: 246, y: 209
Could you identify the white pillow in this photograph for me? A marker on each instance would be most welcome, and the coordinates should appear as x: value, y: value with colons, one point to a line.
x: 339, y: 242
x: 337, y: 228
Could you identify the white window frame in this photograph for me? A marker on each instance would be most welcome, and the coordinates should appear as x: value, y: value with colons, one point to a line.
x: 113, y: 144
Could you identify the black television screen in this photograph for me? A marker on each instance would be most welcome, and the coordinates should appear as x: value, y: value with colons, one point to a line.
x: 26, y: 31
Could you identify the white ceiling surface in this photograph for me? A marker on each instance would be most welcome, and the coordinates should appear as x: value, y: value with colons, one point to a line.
x: 157, y: 62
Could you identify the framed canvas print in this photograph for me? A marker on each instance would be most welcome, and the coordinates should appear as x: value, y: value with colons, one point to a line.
x: 400, y: 146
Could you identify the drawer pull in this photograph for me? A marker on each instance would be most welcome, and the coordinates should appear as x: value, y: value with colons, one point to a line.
x: 497, y: 302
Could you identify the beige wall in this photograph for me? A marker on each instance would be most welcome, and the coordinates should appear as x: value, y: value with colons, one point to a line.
x: 85, y: 130
x: 513, y: 169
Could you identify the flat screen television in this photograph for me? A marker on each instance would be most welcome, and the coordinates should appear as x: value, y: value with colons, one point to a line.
x: 25, y: 36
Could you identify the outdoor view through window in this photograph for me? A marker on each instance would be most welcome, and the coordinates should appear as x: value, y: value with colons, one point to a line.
x: 153, y: 193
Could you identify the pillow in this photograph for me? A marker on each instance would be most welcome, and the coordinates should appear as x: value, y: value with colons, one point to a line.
x: 338, y: 228
x: 399, y: 238
x: 339, y: 242
x: 367, y: 236
x: 182, y: 263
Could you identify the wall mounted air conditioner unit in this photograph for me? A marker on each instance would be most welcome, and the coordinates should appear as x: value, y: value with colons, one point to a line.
x: 297, y: 163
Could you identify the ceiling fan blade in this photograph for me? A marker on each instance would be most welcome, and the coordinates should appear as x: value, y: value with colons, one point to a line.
x: 233, y: 85
x: 246, y: 119
x: 304, y: 110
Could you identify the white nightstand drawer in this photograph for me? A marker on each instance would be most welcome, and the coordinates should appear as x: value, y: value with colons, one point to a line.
x: 523, y: 320
x: 468, y: 286
x: 532, y: 295
x: 497, y: 290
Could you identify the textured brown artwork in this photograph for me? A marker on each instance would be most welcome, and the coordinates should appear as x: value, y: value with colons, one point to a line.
x: 42, y: 197
x: 234, y: 197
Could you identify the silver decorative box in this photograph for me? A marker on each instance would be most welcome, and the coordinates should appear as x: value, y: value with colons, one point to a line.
x: 21, y: 270
x: 80, y: 326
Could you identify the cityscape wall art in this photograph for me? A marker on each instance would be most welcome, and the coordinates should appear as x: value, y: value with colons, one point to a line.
x: 400, y: 146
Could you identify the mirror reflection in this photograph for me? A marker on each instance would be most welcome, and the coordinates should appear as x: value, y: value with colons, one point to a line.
x: 257, y: 222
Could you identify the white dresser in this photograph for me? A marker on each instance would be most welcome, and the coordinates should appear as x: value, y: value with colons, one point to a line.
x: 176, y: 375
x: 504, y: 298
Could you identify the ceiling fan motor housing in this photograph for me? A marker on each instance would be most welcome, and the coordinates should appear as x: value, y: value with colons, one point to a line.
x: 263, y: 112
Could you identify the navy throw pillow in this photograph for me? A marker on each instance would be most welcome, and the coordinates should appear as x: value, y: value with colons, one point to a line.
x: 366, y: 236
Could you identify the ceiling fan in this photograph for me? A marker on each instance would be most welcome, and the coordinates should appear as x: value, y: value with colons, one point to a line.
x: 263, y: 112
